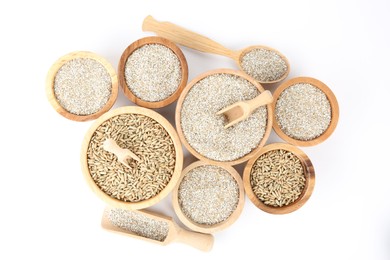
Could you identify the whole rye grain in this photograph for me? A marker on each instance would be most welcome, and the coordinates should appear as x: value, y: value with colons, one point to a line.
x: 264, y: 65
x: 208, y: 194
x: 303, y: 111
x: 149, y: 141
x: 82, y: 86
x: 277, y: 178
x: 153, y: 72
x: 205, y: 131
x: 138, y: 224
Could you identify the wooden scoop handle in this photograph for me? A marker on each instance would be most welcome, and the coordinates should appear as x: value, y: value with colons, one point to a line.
x: 203, y: 242
x: 185, y: 37
x: 264, y: 98
x: 111, y: 146
x: 123, y: 154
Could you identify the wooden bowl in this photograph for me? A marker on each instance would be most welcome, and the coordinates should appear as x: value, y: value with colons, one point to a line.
x: 52, y: 75
x: 122, y: 64
x: 307, y: 190
x: 178, y: 162
x: 203, y: 228
x: 333, y: 104
x: 180, y: 105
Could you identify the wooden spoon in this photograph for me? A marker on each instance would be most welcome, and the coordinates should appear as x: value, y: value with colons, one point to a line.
x: 241, y: 110
x: 201, y: 43
x: 200, y: 241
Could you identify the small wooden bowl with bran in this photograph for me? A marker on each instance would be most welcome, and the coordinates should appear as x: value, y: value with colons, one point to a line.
x: 334, y: 115
x: 153, y: 40
x: 54, y: 99
x: 209, y: 190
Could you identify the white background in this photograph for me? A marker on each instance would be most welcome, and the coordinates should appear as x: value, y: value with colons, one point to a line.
x: 49, y: 212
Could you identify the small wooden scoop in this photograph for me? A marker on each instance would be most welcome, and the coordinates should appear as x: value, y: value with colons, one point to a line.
x: 131, y: 223
x: 201, y: 43
x: 241, y: 110
x: 123, y: 154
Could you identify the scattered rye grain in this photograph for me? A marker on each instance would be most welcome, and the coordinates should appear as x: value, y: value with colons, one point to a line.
x: 149, y: 141
x: 303, y: 112
x: 264, y: 65
x: 277, y: 178
x: 153, y: 72
x: 205, y: 131
x: 82, y: 86
x: 139, y: 224
x: 208, y: 194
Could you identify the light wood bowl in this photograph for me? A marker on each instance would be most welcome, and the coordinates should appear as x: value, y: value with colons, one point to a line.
x: 178, y: 163
x: 308, y: 171
x: 203, y: 228
x: 180, y: 105
x: 53, y: 72
x: 122, y: 64
x: 333, y: 104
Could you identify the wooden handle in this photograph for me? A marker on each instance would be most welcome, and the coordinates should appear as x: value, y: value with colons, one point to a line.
x: 111, y: 146
x: 185, y: 37
x: 200, y: 241
x: 123, y: 154
x: 264, y: 98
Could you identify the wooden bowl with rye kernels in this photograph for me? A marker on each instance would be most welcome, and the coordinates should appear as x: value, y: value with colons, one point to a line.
x: 305, y: 113
x: 135, y: 46
x: 139, y: 183
x: 278, y: 192
x: 80, y: 82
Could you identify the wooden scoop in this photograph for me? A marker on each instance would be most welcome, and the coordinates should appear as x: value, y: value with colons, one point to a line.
x: 241, y: 110
x: 201, y: 43
x: 174, y: 233
x: 123, y: 154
